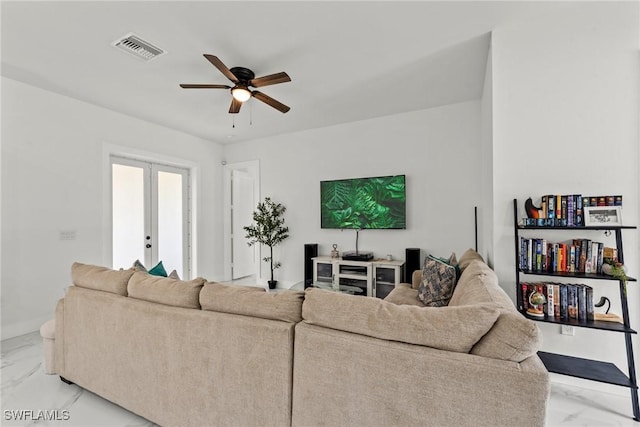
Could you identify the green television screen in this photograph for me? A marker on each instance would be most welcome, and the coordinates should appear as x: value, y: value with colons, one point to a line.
x: 364, y: 203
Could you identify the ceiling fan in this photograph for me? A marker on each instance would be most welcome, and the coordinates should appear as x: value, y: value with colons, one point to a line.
x: 243, y: 78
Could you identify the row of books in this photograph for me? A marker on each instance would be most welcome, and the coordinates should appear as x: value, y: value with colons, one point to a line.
x: 577, y: 256
x: 567, y: 210
x: 562, y: 301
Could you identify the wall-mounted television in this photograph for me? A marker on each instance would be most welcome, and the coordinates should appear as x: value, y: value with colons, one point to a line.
x: 364, y: 203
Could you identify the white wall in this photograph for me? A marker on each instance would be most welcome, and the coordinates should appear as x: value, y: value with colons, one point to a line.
x: 438, y: 150
x: 565, y: 96
x: 54, y: 152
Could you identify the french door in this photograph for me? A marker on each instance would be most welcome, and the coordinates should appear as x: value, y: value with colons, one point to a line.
x: 150, y: 215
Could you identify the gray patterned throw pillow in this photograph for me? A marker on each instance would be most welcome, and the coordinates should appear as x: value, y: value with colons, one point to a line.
x: 438, y: 281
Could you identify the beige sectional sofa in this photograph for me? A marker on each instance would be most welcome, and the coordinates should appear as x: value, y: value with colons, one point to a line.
x: 196, y: 353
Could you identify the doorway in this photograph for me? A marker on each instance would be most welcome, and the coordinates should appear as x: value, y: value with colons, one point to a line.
x: 241, y: 196
x: 150, y: 215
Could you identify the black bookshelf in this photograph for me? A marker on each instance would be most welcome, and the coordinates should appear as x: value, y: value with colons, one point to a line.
x: 591, y: 227
x: 594, y: 324
x: 577, y: 367
x: 574, y: 275
x: 593, y: 370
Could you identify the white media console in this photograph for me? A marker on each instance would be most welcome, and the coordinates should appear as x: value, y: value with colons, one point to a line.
x: 376, y: 277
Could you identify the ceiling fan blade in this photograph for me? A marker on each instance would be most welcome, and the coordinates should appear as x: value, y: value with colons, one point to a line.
x: 270, y: 101
x: 235, y: 106
x: 205, y: 86
x: 220, y: 66
x: 271, y: 79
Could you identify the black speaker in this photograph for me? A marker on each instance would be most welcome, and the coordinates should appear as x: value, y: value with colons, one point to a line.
x: 412, y: 263
x: 310, y: 251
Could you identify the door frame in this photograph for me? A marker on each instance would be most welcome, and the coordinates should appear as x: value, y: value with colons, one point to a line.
x: 112, y: 150
x: 252, y: 167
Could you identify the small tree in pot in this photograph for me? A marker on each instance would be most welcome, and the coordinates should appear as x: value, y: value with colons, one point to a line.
x: 268, y: 229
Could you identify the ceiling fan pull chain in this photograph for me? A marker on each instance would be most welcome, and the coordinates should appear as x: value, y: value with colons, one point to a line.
x: 251, y: 114
x: 234, y: 121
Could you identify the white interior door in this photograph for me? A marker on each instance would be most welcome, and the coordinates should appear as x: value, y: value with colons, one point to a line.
x: 150, y: 215
x: 245, y: 200
x: 242, y: 206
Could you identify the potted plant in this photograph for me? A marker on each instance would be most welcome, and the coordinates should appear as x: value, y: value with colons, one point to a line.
x: 268, y: 229
x: 617, y: 270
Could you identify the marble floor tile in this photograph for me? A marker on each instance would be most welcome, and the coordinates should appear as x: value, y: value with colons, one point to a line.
x: 25, y: 387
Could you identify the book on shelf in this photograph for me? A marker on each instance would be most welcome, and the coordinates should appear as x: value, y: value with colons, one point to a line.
x: 572, y: 301
x: 556, y: 300
x: 582, y: 301
x: 579, y: 212
x: 564, y: 309
x: 589, y: 303
x: 550, y: 304
x: 609, y: 254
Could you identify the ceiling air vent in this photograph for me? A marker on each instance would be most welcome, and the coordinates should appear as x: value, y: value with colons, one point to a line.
x: 138, y: 47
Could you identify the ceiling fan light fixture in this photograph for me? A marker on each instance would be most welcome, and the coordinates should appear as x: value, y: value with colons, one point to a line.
x: 241, y: 93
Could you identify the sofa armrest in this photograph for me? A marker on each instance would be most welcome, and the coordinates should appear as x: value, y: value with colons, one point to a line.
x: 416, y: 278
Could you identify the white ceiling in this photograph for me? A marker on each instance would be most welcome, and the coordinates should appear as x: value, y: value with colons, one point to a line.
x: 348, y: 60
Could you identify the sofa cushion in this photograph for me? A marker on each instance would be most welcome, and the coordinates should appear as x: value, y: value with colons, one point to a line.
x: 448, y: 328
x: 513, y: 337
x: 252, y: 301
x: 479, y: 284
x: 467, y: 257
x: 162, y: 290
x: 438, y: 281
x: 403, y: 294
x: 100, y: 278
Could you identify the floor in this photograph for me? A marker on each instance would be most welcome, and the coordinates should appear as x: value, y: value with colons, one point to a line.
x: 26, y: 388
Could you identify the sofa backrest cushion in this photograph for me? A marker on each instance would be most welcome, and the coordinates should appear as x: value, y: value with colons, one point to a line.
x: 100, y: 278
x: 251, y: 301
x: 467, y: 257
x: 162, y: 290
x: 513, y: 337
x: 479, y: 284
x: 448, y: 328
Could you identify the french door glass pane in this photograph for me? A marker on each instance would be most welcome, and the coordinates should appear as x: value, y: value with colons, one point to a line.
x: 128, y: 215
x: 170, y: 221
